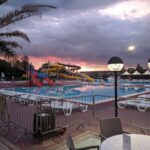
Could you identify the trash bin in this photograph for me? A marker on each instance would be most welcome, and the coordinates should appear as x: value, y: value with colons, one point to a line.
x: 43, y: 122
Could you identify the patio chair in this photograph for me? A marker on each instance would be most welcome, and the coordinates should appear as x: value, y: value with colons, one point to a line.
x: 110, y: 127
x: 71, y: 145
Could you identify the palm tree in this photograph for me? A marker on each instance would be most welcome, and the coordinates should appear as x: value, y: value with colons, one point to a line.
x: 7, y: 45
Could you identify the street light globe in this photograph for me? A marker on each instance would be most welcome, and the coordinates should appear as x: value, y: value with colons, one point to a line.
x: 149, y: 63
x: 131, y: 48
x: 115, y: 64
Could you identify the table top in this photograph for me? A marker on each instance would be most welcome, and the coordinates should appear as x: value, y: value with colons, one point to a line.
x: 138, y: 142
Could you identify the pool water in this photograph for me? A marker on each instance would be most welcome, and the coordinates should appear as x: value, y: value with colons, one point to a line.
x: 122, y: 81
x: 77, y: 91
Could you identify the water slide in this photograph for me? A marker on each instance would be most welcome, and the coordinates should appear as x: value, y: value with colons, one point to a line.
x: 36, y: 81
x: 70, y: 77
x: 82, y: 76
x: 50, y: 82
x: 86, y: 77
x: 68, y: 74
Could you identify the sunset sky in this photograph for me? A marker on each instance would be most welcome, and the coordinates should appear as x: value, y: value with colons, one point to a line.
x: 86, y: 32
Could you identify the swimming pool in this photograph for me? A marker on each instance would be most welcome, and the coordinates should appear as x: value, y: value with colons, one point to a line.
x: 134, y: 81
x: 77, y: 90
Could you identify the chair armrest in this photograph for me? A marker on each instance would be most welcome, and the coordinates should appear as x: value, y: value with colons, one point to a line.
x: 126, y: 132
x: 88, y: 147
x: 145, y: 130
x: 102, y: 137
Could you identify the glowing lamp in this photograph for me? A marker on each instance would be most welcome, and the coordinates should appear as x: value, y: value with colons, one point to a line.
x: 131, y: 48
x: 115, y: 64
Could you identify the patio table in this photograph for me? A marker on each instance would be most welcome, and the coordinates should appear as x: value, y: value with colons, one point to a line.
x: 138, y: 142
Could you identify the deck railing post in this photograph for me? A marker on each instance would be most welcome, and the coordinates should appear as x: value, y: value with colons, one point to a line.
x: 93, y: 100
x: 38, y: 107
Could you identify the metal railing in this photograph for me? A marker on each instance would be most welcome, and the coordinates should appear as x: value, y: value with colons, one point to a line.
x: 47, y: 117
x: 135, y: 111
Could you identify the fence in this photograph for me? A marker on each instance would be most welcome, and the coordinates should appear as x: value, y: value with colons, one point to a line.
x: 45, y: 117
x: 20, y: 111
x: 6, y: 84
x: 135, y: 112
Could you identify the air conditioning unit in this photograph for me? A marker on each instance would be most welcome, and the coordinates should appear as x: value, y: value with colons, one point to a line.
x: 43, y: 124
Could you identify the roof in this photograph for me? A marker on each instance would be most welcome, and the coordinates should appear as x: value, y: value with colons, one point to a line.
x: 125, y: 73
x: 146, y: 73
x: 136, y: 73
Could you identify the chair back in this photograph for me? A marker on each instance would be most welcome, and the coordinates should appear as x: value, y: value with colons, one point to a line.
x: 110, y: 127
x: 70, y: 143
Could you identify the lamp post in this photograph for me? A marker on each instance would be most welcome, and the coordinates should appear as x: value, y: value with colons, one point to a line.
x: 149, y: 63
x: 115, y: 64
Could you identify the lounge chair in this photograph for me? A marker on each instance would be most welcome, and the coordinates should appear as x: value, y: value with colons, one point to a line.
x: 56, y: 105
x: 122, y: 104
x: 83, y: 107
x: 9, y: 94
x: 22, y: 99
x: 144, y: 96
x: 32, y: 99
x: 46, y: 104
x: 71, y: 145
x: 142, y: 107
x: 141, y: 104
x: 65, y: 106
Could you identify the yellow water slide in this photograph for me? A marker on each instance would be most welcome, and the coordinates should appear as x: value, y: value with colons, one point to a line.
x: 73, y: 77
x: 87, y: 77
x: 81, y: 76
x: 68, y: 74
x: 54, y: 68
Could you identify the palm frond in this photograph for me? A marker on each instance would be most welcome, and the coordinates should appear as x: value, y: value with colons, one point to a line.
x: 25, y: 11
x: 11, y: 44
x: 2, y: 1
x: 5, y: 51
x: 15, y: 34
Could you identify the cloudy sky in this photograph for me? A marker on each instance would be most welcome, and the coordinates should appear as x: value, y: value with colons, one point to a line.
x: 86, y: 32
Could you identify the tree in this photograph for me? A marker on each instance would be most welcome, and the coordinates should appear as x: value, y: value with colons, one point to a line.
x: 122, y: 70
x: 6, y: 46
x: 140, y: 68
x: 25, y: 62
x: 14, y: 69
x: 5, y: 68
x: 131, y: 70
